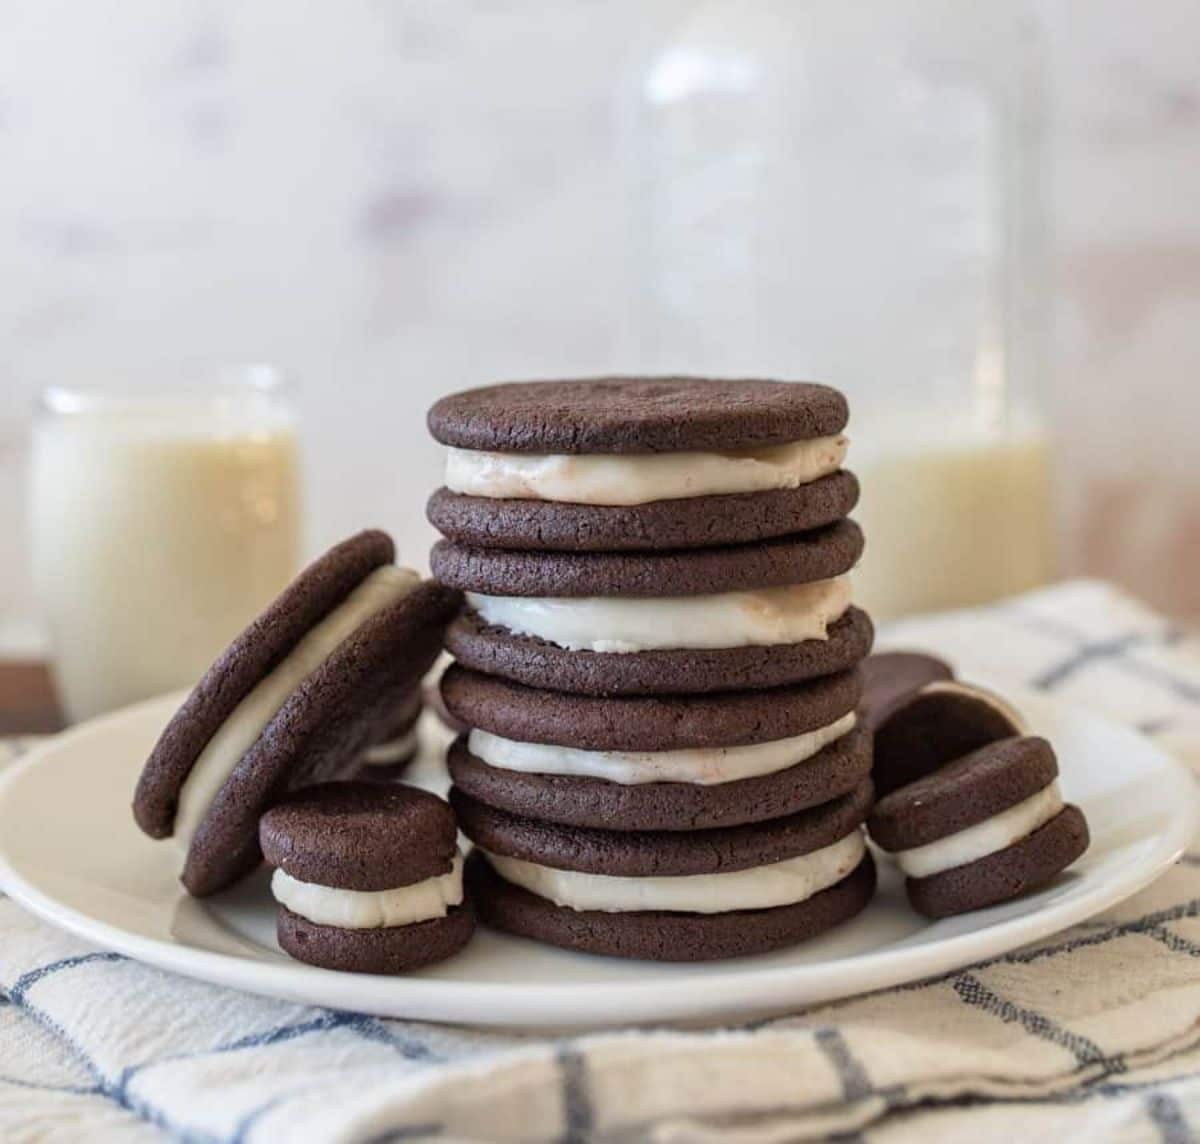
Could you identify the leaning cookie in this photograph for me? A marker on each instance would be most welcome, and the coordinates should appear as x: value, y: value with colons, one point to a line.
x: 397, y: 742
x: 369, y: 878
x: 292, y: 701
x: 695, y: 896
x: 981, y: 830
x: 939, y: 723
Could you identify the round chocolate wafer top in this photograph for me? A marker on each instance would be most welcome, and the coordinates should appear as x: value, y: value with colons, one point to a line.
x: 360, y: 836
x: 636, y: 415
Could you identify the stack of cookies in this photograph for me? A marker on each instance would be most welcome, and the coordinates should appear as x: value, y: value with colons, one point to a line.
x: 657, y: 662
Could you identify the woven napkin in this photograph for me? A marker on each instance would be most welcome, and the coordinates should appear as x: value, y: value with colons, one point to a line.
x: 1092, y: 1034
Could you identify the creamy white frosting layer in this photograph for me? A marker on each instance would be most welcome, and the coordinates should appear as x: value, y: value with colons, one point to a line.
x: 984, y: 838
x: 759, y: 888
x: 704, y: 766
x: 371, y: 909
x: 638, y: 478
x: 760, y: 618
x: 391, y: 751
x: 237, y: 734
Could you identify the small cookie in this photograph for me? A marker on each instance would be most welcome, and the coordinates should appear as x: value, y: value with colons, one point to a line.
x: 670, y: 896
x: 890, y: 677
x: 397, y: 742
x: 581, y: 799
x: 939, y: 723
x: 985, y: 828
x: 368, y: 877
x: 647, y: 723
x: 797, y: 559
x: 292, y: 701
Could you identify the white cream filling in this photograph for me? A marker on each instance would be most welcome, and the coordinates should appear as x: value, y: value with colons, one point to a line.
x: 371, y: 909
x: 761, y: 618
x: 759, y: 888
x: 237, y: 734
x: 638, y: 478
x: 391, y: 751
x: 704, y: 766
x: 984, y: 838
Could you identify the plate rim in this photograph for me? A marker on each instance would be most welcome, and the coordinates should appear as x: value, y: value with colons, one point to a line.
x: 591, y: 1003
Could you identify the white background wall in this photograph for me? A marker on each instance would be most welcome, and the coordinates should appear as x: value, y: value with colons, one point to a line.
x: 393, y: 200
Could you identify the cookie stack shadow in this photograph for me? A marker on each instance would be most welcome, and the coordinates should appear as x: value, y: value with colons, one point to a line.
x: 657, y: 663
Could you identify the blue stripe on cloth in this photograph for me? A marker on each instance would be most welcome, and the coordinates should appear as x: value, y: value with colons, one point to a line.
x: 973, y: 992
x: 247, y: 1124
x: 578, y: 1112
x: 327, y: 1021
x: 1166, y: 1113
x: 277, y: 1035
x: 1085, y: 654
x: 1115, y: 650
x: 1183, y: 689
x: 27, y: 980
x: 856, y: 1084
x: 408, y: 1132
x: 408, y: 1046
x: 1173, y: 941
x: 39, y: 1086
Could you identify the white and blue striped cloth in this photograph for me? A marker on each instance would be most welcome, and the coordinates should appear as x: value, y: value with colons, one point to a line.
x: 1093, y: 1034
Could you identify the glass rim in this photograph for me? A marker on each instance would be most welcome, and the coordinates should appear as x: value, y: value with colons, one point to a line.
x: 203, y: 388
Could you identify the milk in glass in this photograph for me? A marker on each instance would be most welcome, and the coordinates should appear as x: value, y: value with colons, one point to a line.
x: 162, y: 523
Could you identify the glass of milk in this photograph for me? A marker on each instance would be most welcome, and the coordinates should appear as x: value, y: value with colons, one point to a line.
x: 854, y: 193
x: 163, y: 519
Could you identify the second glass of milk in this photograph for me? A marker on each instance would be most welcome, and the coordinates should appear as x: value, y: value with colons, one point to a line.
x: 163, y: 520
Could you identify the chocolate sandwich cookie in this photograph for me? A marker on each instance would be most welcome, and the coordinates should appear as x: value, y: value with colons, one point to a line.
x: 537, y: 662
x: 891, y: 677
x: 799, y: 559
x: 667, y: 896
x: 396, y: 743
x: 695, y: 797
x: 982, y: 829
x: 622, y: 464
x: 647, y: 723
x: 719, y: 619
x: 939, y: 723
x: 691, y: 522
x: 368, y: 877
x: 292, y: 701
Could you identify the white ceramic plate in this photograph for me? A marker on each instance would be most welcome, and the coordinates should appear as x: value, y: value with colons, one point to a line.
x: 69, y: 851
